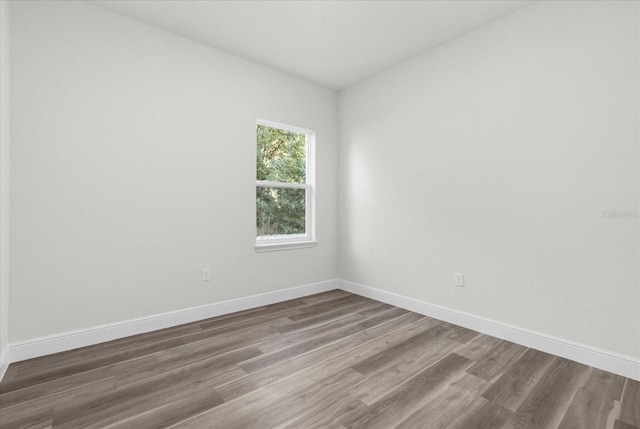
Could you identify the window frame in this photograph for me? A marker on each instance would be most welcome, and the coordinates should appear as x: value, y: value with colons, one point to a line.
x: 294, y: 241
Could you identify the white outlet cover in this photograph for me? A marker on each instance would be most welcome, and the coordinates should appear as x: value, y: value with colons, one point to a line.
x: 459, y: 279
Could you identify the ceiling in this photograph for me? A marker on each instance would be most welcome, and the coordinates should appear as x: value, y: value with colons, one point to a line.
x: 332, y: 43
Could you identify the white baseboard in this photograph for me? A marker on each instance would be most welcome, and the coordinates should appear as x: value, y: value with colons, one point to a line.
x: 626, y: 366
x: 618, y: 364
x: 85, y: 337
x: 4, y: 362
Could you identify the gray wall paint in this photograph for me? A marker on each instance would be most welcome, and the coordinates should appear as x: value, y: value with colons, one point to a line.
x: 495, y: 155
x: 4, y: 175
x: 134, y: 168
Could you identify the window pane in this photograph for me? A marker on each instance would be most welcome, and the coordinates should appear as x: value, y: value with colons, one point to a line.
x: 280, y: 155
x: 280, y: 211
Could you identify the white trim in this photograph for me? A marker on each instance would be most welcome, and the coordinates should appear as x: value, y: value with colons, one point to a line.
x: 4, y: 362
x: 287, y: 185
x: 86, y: 337
x: 284, y: 243
x: 286, y: 127
x: 626, y: 366
x: 263, y: 246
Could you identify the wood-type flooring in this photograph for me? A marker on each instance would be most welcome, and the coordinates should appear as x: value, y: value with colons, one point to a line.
x: 331, y: 360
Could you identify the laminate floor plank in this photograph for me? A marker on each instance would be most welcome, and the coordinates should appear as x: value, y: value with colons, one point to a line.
x: 87, y: 365
x: 32, y: 421
x: 215, y: 327
x: 593, y: 403
x: 43, y: 425
x: 60, y: 386
x: 605, y: 383
x: 489, y: 416
x: 44, y: 405
x: 378, y: 384
x: 630, y: 406
x: 458, y: 333
x: 322, y: 318
x: 172, y: 413
x: 325, y: 296
x: 48, y: 364
x: 407, y: 398
x: 331, y: 360
x: 64, y: 359
x: 211, y: 330
x: 264, y: 408
x: 478, y: 347
x: 330, y: 414
x: 511, y: 389
x: 268, y: 329
x: 545, y: 406
x: 324, y: 306
x: 622, y: 425
x: 497, y: 360
x: 296, y: 337
x: 340, y: 354
x: 224, y: 366
x: 102, y: 410
x: 223, y: 343
x: 279, y: 355
x: 359, y: 348
x: 132, y: 370
x: 443, y: 410
x: 412, y: 346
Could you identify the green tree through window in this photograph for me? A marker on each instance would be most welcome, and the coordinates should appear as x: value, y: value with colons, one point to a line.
x: 281, y: 191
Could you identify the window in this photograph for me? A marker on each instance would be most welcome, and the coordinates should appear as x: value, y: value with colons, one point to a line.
x: 284, y: 187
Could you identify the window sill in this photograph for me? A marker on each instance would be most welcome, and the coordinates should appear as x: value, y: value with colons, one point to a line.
x: 274, y: 247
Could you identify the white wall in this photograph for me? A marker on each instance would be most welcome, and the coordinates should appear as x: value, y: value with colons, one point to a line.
x: 495, y: 155
x: 4, y: 180
x: 133, y: 167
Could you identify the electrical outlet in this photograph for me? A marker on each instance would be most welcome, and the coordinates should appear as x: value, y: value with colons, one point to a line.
x: 206, y: 274
x: 460, y: 279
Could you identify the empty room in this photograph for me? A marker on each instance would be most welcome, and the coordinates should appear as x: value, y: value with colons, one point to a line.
x: 320, y: 214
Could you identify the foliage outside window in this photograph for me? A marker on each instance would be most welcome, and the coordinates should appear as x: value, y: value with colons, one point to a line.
x: 284, y: 191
